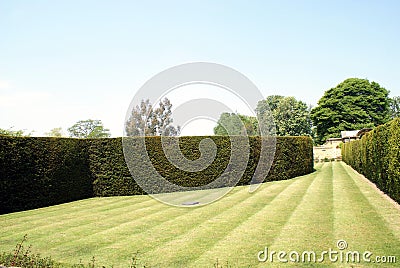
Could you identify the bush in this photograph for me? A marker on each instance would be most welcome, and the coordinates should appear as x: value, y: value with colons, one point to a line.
x: 377, y: 156
x: 38, y: 172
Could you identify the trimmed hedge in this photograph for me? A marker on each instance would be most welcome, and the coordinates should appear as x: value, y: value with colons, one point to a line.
x: 111, y: 176
x: 109, y: 173
x: 377, y: 156
x: 37, y: 172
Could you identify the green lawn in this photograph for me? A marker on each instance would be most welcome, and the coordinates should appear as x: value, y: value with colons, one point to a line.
x: 306, y: 213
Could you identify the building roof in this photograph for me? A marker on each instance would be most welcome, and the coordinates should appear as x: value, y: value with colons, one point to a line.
x: 363, y: 131
x: 349, y: 134
x: 354, y: 133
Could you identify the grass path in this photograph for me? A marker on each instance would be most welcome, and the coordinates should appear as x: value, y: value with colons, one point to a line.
x: 357, y: 213
x: 306, y: 213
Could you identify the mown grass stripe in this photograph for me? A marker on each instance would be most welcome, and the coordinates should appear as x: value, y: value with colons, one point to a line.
x: 84, y: 236
x: 232, y: 229
x: 154, y: 236
x: 203, y: 239
x: 356, y: 221
x: 94, y: 222
x: 67, y: 211
x: 54, y: 210
x: 258, y: 230
x: 310, y: 226
x: 388, y: 211
x: 66, y: 220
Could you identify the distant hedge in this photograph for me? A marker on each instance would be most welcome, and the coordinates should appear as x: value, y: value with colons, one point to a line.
x: 37, y: 172
x: 111, y: 176
x: 377, y: 156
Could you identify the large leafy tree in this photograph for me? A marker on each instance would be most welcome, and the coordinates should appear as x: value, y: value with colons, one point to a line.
x: 353, y: 104
x: 236, y: 124
x: 395, y: 107
x: 89, y: 129
x: 145, y: 119
x: 291, y: 116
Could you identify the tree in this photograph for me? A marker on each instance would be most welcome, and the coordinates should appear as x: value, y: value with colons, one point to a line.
x: 55, y: 132
x: 353, y: 104
x: 89, y: 129
x: 145, y: 120
x: 395, y: 107
x: 141, y: 120
x: 14, y: 133
x: 162, y: 120
x: 291, y: 117
x: 236, y: 124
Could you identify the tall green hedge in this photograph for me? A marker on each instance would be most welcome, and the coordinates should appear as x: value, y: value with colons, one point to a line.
x: 37, y: 172
x: 111, y: 176
x: 109, y: 173
x: 377, y: 156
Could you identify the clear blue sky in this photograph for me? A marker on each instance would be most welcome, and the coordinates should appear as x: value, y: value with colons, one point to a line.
x: 62, y: 61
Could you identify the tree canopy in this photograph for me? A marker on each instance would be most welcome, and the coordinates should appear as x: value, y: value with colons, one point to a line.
x: 395, y: 107
x: 89, y: 129
x: 353, y: 104
x: 291, y: 116
x: 55, y: 132
x: 146, y: 120
x: 14, y: 133
x: 236, y: 124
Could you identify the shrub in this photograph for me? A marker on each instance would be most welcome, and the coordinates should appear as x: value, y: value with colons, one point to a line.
x: 377, y: 157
